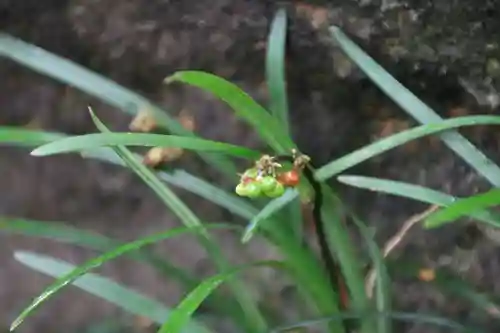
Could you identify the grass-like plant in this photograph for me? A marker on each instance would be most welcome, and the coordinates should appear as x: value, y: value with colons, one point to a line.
x: 339, y: 312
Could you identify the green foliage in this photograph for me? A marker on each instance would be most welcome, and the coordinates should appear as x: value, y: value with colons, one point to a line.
x: 278, y: 220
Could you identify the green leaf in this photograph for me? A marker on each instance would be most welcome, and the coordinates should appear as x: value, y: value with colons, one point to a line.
x: 186, y: 181
x: 268, y: 127
x: 271, y: 208
x: 383, y: 286
x: 96, y: 262
x: 463, y: 207
x: 87, y: 239
x: 106, y: 289
x: 181, y: 315
x: 89, y: 141
x: 345, y: 251
x: 345, y: 162
x: 416, y: 108
x: 252, y: 317
x: 421, y: 318
x: 100, y: 87
x: 275, y: 68
x: 414, y: 192
x: 305, y: 264
x: 276, y: 84
x: 65, y: 234
x: 25, y: 137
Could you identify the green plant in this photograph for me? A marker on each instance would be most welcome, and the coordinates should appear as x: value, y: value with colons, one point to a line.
x: 318, y: 287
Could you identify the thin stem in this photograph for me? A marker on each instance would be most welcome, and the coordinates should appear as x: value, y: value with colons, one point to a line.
x: 331, y: 267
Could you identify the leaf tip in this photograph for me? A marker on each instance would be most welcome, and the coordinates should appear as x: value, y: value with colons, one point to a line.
x: 38, y: 151
x: 15, y: 324
x: 246, y: 236
x: 171, y: 78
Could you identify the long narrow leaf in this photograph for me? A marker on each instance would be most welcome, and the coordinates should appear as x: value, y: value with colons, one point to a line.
x: 98, y: 86
x: 463, y: 207
x: 96, y: 262
x: 24, y: 137
x: 414, y: 192
x: 383, y: 283
x: 275, y: 68
x: 125, y: 298
x: 345, y: 162
x: 421, y: 318
x: 186, y: 181
x: 270, y: 209
x: 181, y: 315
x: 252, y: 316
x: 89, y: 141
x: 345, y: 251
x: 65, y: 234
x: 416, y: 108
x: 243, y: 105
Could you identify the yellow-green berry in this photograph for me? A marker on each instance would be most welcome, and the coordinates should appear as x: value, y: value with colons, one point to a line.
x: 241, y: 190
x: 253, y: 190
x: 250, y: 190
x: 267, y: 183
x: 276, y: 192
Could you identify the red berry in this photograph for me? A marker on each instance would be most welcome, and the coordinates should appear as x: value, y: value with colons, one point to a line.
x: 289, y: 178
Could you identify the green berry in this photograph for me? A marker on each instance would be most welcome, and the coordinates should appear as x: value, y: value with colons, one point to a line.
x: 268, y: 183
x: 250, y: 190
x: 276, y: 192
x: 253, y: 190
x: 241, y: 190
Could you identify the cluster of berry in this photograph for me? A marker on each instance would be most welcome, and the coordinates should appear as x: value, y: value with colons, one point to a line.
x: 255, y: 183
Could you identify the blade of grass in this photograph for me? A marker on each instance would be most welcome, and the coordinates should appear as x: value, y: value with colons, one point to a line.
x: 108, y: 91
x: 253, y: 319
x: 26, y: 138
x: 414, y: 192
x: 96, y: 262
x: 416, y: 108
x: 306, y: 267
x: 383, y: 282
x: 186, y: 181
x: 82, y: 142
x: 340, y: 243
x: 90, y: 240
x: 267, y: 126
x: 182, y: 314
x: 272, y: 207
x: 276, y: 83
x: 463, y: 207
x: 420, y: 318
x: 345, y: 162
x: 125, y: 298
x: 65, y: 234
x: 305, y: 264
x: 275, y: 68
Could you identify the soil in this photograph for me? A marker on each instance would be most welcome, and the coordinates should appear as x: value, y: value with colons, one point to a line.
x: 444, y: 51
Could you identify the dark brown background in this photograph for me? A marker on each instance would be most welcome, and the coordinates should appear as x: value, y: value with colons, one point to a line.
x: 445, y: 51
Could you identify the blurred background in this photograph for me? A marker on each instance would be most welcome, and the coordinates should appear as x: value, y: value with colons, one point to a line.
x: 446, y: 52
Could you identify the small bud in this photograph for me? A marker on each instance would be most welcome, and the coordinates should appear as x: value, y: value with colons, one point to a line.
x: 143, y: 122
x: 158, y: 155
